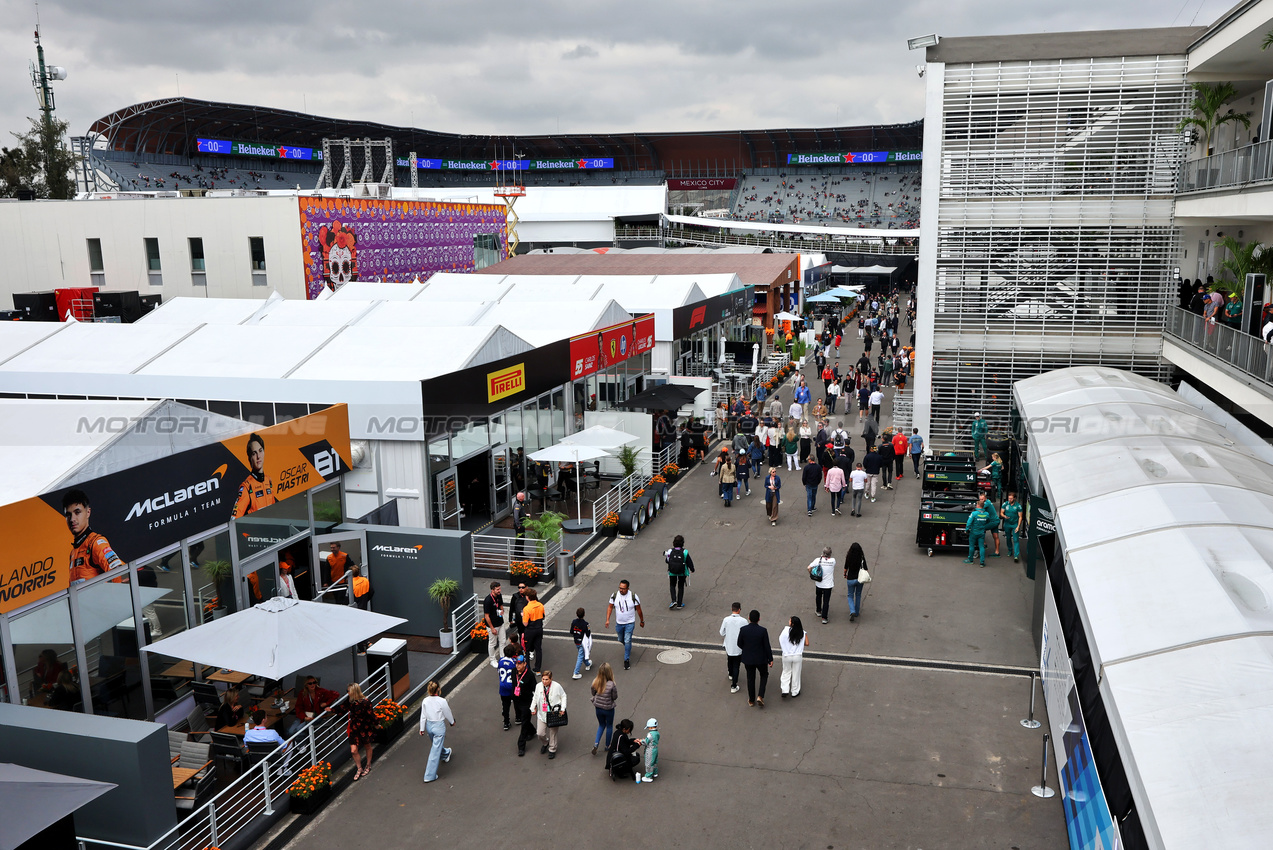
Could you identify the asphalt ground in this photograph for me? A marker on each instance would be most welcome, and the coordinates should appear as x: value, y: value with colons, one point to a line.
x: 906, y: 733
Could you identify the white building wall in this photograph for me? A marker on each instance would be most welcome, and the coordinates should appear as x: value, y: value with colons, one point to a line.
x: 1048, y: 231
x: 48, y: 245
x: 393, y: 469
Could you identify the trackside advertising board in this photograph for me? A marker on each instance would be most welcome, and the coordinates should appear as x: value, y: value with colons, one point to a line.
x: 131, y: 513
x: 854, y: 158
x: 1087, y: 816
x: 594, y: 351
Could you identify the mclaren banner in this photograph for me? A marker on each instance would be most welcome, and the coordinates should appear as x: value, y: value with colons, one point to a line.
x: 83, y: 530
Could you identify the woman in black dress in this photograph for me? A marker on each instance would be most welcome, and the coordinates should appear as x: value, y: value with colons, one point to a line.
x: 361, y: 730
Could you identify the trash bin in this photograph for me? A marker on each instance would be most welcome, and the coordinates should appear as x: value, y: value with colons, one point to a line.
x: 391, y: 653
x: 565, y: 569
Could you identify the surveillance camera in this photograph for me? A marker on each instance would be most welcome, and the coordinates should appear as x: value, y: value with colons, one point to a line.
x: 919, y: 69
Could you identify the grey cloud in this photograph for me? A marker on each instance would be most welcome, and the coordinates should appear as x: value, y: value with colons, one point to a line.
x: 669, y: 66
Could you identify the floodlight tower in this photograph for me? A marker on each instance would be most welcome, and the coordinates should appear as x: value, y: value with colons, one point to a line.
x: 509, y: 191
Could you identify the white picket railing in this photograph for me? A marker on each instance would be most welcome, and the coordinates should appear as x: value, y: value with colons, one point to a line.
x: 464, y: 617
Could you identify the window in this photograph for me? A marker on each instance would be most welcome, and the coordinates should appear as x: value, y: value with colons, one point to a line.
x: 257, y: 246
x: 152, y: 254
x: 196, y: 255
x: 152, y: 261
x: 95, y: 256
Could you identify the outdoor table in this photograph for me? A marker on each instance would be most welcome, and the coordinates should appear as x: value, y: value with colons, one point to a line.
x: 182, y: 775
x: 182, y: 670
x: 230, y: 678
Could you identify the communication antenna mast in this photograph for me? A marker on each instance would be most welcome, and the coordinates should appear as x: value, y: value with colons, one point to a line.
x: 41, y: 78
x: 508, y: 190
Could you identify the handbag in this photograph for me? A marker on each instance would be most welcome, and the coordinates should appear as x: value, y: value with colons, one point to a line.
x: 557, y: 717
x: 864, y: 577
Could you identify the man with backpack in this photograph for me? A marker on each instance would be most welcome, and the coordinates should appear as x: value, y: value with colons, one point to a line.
x: 679, y: 566
x: 822, y: 571
x: 839, y: 438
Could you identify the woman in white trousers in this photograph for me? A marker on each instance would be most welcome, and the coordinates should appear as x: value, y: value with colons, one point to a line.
x: 793, y: 640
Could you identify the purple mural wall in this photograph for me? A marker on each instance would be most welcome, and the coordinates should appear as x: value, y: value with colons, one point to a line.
x: 345, y: 239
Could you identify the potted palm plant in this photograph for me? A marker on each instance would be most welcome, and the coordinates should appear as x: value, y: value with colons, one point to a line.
x: 628, y: 459
x: 443, y: 591
x: 220, y: 575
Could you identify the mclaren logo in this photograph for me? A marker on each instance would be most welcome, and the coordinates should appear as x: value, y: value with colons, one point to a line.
x: 172, y: 498
x: 398, y: 550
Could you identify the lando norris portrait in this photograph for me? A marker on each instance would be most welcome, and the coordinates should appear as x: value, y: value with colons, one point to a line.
x: 257, y: 490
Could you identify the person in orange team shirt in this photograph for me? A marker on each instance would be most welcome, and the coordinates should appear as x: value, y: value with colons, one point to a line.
x: 91, y: 553
x: 257, y: 490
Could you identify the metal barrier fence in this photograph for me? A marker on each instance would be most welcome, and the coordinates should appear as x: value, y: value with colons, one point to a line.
x: 1249, y: 164
x: 497, y: 552
x: 255, y: 793
x: 464, y: 617
x: 1240, y: 350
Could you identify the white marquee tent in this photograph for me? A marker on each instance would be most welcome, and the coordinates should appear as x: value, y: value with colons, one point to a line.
x: 1166, y: 519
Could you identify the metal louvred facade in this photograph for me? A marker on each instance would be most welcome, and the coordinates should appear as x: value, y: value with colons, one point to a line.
x: 1053, y: 242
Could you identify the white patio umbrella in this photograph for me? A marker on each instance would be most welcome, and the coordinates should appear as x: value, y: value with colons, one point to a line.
x: 565, y: 452
x: 275, y: 638
x: 36, y: 799
x: 601, y: 437
x: 786, y: 317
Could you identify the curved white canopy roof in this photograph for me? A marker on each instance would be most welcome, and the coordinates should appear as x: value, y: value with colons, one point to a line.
x: 1167, y: 523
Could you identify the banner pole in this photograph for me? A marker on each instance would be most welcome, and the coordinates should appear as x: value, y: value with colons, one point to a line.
x: 1042, y: 789
x: 1030, y: 722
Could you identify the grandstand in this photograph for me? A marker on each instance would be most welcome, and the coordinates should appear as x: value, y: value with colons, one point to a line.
x: 155, y: 146
x: 883, y: 197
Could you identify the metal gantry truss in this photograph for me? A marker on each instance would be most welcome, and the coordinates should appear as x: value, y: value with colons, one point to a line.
x: 347, y: 150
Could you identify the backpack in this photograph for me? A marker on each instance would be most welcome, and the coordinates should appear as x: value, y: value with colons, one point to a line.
x: 839, y: 438
x: 676, y: 562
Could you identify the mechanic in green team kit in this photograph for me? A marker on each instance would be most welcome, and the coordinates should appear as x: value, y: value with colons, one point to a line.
x: 980, y: 428
x: 977, y: 526
x: 1013, y: 522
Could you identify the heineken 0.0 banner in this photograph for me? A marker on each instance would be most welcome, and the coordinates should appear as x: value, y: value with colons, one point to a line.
x: 854, y: 158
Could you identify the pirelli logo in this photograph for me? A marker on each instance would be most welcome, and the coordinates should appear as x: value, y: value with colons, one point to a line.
x: 505, y: 382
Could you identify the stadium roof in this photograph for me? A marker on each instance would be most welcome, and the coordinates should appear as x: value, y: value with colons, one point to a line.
x: 171, y: 126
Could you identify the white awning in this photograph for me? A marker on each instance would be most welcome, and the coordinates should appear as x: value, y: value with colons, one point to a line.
x: 819, y: 229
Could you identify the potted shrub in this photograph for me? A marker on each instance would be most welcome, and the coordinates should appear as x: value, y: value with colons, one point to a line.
x: 389, y: 714
x: 220, y: 575
x: 527, y: 571
x: 443, y: 591
x: 312, y: 788
x: 478, y: 636
x: 610, y: 524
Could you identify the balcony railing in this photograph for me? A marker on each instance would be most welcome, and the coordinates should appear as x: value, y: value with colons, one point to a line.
x: 1240, y: 350
x: 1239, y: 167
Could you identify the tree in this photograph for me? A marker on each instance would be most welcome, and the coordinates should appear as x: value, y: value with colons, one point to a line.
x: 1241, y: 260
x: 1209, y: 99
x: 41, y: 162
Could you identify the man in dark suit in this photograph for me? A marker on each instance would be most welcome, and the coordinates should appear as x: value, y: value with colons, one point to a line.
x: 757, y: 656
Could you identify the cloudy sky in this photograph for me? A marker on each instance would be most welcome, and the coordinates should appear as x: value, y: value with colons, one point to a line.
x: 485, y: 66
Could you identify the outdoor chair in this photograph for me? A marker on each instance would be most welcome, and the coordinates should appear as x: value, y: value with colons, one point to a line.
x: 195, y: 756
x: 197, y: 722
x: 228, y: 749
x: 175, y: 740
x: 196, y: 794
x: 259, y: 750
x: 207, y: 697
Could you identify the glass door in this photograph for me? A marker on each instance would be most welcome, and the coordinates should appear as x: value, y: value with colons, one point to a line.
x: 260, y: 578
x: 502, y: 478
x: 335, y: 555
x: 447, y: 499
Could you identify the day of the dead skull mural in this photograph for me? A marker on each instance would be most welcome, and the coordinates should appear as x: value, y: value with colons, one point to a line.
x: 340, y: 254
